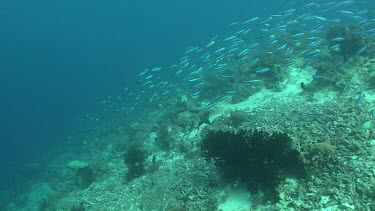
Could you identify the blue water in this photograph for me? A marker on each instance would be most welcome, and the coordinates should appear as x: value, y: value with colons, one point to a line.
x: 60, y: 58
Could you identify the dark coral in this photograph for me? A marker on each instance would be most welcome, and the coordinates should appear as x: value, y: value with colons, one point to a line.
x: 258, y: 158
x: 85, y: 177
x: 134, y: 158
x: 352, y: 42
x: 163, y: 139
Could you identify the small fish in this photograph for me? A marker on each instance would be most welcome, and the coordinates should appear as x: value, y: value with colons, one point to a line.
x: 239, y: 32
x: 232, y: 24
x: 345, y: 12
x: 318, y: 76
x: 290, y: 63
x: 320, y: 18
x: 243, y: 52
x: 194, y: 79
x: 343, y: 89
x: 196, y: 93
x: 210, y: 44
x: 156, y: 69
x: 335, y: 47
x: 298, y: 35
x: 218, y: 50
x: 224, y: 76
x: 199, y: 70
x: 338, y: 20
x: 310, y: 38
x: 338, y: 39
x: 253, y: 45
x: 178, y: 72
x: 211, y: 104
x: 274, y: 41
x: 147, y: 82
x: 314, y: 44
x: 254, y: 61
x: 263, y: 70
x: 289, y: 51
x: 314, y: 115
x: 302, y: 16
x: 281, y: 47
x: 311, y: 54
x: 361, y: 50
x: 229, y: 38
x: 250, y: 20
x: 312, y: 5
x: 360, y: 99
x: 223, y: 98
x: 251, y: 82
x: 340, y: 61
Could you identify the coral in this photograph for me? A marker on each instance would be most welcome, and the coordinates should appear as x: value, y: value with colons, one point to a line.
x: 163, y: 137
x: 134, y: 158
x: 237, y: 117
x: 85, y: 177
x: 242, y: 93
x: 78, y: 207
x: 320, y: 154
x: 352, y: 41
x: 84, y: 174
x: 258, y: 158
x: 324, y: 148
x: 175, y: 205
